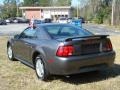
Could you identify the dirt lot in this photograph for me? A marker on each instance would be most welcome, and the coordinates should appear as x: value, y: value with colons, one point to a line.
x: 16, y: 76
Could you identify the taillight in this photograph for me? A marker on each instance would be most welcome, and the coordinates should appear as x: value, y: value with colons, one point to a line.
x: 107, y: 46
x: 65, y: 51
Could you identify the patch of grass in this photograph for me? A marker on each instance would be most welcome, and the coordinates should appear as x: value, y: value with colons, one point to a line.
x: 16, y: 76
x: 20, y: 69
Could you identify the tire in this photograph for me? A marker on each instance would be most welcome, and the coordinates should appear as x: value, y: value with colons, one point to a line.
x: 10, y: 53
x: 41, y: 71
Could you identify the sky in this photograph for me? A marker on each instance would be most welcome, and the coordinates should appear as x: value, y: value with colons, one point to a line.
x: 1, y: 1
x: 81, y: 3
x: 74, y: 2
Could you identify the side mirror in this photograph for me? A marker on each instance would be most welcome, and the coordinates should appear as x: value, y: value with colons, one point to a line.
x: 17, y: 36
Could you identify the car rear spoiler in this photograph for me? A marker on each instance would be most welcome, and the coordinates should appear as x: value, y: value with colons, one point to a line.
x: 89, y: 37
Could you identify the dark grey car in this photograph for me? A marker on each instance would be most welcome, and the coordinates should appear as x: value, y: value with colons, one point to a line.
x: 61, y: 49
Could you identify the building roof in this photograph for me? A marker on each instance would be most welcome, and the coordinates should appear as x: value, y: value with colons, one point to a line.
x: 60, y: 7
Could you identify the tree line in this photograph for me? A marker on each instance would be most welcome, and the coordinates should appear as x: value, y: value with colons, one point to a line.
x: 102, y: 11
x: 97, y: 11
x: 9, y: 8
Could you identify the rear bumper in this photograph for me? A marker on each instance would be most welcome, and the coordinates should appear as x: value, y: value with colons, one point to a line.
x: 80, y: 64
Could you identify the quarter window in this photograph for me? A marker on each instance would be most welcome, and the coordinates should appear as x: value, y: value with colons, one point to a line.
x: 28, y: 33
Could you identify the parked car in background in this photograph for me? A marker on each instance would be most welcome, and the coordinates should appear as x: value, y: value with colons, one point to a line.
x: 76, y: 22
x: 62, y: 20
x: 82, y: 19
x: 47, y: 20
x: 17, y: 20
x: 69, y: 20
x: 61, y: 49
x: 9, y: 20
x: 3, y: 22
x: 20, y: 20
x: 35, y: 22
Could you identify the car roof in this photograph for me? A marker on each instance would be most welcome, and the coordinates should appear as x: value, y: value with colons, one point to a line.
x: 37, y: 20
x: 52, y: 24
x: 59, y: 24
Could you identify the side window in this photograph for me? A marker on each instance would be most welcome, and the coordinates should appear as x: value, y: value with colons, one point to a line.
x: 40, y: 34
x: 28, y: 33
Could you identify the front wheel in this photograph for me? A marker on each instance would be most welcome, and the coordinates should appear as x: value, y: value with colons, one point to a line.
x: 40, y: 68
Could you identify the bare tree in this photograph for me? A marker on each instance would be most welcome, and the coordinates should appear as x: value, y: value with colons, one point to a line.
x: 115, y: 12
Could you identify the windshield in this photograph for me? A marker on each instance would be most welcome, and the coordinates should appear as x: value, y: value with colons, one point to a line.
x: 59, y: 31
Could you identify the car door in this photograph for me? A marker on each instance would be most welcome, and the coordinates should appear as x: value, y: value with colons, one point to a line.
x: 23, y: 45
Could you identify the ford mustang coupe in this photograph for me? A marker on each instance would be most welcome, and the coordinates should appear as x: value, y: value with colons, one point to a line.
x: 61, y: 49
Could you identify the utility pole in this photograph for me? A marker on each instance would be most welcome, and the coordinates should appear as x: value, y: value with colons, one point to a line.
x: 17, y: 2
x: 17, y: 11
x: 113, y: 12
x: 79, y: 5
x: 77, y: 9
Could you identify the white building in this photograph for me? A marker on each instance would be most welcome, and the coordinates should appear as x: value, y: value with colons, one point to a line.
x: 46, y: 12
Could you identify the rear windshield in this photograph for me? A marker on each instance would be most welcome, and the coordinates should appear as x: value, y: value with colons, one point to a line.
x: 58, y: 31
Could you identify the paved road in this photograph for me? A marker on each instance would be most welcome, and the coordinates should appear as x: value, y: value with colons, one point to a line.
x: 12, y: 29
x: 101, y: 29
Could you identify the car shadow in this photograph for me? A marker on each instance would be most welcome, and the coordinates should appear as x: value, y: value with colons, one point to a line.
x: 90, y: 76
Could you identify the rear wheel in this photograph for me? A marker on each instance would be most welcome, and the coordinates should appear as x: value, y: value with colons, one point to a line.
x: 10, y: 53
x: 40, y: 68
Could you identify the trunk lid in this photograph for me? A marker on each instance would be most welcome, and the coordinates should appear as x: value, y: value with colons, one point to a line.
x: 86, y: 45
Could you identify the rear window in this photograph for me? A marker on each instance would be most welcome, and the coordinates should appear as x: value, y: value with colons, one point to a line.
x: 57, y: 31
